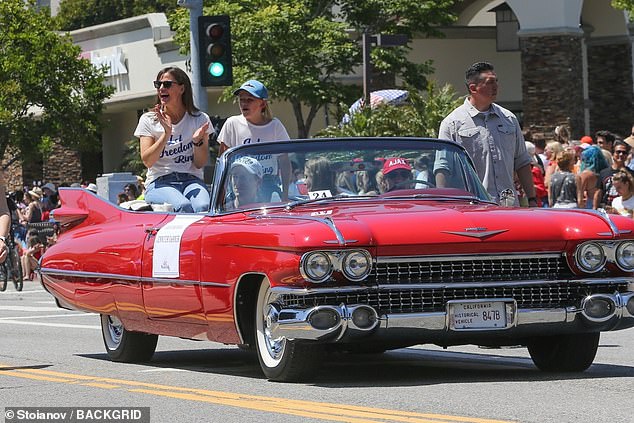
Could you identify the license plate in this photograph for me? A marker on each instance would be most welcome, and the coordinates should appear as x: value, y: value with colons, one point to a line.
x: 477, y: 315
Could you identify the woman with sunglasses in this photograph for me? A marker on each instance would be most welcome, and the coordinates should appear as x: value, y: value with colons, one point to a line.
x: 174, y: 138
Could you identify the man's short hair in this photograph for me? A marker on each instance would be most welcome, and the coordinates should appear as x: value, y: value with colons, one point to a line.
x: 607, y: 135
x: 622, y: 144
x: 472, y: 75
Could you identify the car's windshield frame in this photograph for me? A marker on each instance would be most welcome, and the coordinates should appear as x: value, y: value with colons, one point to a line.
x: 345, y: 147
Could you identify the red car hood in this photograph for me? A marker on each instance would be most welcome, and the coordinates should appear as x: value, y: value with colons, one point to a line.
x: 399, y: 225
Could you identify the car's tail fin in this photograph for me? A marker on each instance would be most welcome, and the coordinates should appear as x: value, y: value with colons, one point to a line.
x: 82, y: 206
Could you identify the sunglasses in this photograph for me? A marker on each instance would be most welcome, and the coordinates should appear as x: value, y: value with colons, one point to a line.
x: 619, y: 152
x: 166, y: 84
x: 403, y: 174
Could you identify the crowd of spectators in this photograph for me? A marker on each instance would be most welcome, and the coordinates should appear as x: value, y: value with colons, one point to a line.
x: 593, y: 172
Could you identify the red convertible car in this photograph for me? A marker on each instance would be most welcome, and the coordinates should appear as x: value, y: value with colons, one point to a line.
x: 363, y: 253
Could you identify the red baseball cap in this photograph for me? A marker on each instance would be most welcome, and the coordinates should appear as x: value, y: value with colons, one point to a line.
x: 395, y: 163
x: 587, y: 139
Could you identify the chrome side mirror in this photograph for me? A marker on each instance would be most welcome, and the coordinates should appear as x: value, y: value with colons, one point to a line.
x: 507, y: 198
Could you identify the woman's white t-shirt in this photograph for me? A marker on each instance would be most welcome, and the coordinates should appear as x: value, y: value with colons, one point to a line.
x: 178, y: 154
x: 237, y: 131
x: 623, y: 207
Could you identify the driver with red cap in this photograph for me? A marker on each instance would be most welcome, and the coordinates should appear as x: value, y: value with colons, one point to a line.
x: 397, y: 174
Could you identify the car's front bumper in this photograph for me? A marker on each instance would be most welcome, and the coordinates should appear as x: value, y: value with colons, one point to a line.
x: 345, y: 322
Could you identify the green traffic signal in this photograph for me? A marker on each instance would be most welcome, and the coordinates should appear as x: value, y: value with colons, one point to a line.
x: 214, y: 50
x: 216, y: 69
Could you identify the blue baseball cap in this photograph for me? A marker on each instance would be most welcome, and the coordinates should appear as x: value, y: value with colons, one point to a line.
x: 255, y: 88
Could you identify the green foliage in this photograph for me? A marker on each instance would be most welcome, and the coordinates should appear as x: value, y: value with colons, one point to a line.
x: 420, y: 117
x: 627, y: 5
x: 300, y: 49
x: 48, y: 92
x: 76, y: 14
x: 131, y: 160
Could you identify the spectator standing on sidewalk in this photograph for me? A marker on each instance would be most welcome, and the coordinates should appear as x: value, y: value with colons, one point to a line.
x: 592, y: 163
x: 606, y: 193
x: 491, y: 135
x: 5, y: 219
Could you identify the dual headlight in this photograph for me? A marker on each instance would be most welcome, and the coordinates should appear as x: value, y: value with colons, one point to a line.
x: 318, y: 266
x: 592, y: 256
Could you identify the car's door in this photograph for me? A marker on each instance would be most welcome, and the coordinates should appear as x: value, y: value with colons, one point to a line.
x: 171, y: 272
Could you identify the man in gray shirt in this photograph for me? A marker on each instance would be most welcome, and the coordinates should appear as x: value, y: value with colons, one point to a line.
x: 491, y: 135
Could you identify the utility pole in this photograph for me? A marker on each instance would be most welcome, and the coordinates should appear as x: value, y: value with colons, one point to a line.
x: 195, y: 10
x: 386, y: 40
x: 366, y: 68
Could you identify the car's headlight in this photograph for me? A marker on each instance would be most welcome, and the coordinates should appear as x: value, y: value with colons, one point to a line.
x: 590, y: 257
x: 625, y: 256
x: 356, y: 265
x: 316, y: 266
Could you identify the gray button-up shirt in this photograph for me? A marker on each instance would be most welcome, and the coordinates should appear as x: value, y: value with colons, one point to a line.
x: 493, y: 140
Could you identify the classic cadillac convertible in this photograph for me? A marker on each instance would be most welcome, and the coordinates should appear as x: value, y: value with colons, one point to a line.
x: 343, y: 263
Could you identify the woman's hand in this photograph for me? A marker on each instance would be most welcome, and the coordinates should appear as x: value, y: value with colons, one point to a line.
x: 201, y: 133
x: 163, y: 118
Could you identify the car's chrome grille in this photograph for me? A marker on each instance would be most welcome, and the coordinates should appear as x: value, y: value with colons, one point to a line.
x: 470, y: 269
x: 390, y: 300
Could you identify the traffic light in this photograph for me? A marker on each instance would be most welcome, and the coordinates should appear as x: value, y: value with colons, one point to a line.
x: 214, y: 48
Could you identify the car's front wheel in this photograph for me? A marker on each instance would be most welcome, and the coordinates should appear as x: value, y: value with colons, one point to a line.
x: 281, y: 359
x: 564, y: 353
x: 126, y: 346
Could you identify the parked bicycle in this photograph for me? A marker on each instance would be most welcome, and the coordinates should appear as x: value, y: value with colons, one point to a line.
x: 12, y: 266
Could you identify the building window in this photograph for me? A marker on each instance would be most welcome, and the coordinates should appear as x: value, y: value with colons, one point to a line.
x: 506, y: 26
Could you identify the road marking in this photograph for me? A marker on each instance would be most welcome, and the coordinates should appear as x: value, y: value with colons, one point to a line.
x: 27, y: 308
x: 319, y: 410
x: 52, y: 325
x: 47, y: 316
x: 39, y: 291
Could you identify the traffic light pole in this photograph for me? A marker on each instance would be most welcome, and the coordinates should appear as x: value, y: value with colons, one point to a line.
x: 195, y: 10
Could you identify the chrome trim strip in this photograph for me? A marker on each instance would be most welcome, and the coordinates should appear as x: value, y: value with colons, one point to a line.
x: 280, y: 290
x: 408, y: 259
x: 325, y: 220
x: 606, y: 218
x: 128, y: 278
x: 486, y: 234
x: 503, y: 283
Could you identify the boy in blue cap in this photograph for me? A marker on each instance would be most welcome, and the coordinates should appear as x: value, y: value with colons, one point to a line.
x: 255, y: 123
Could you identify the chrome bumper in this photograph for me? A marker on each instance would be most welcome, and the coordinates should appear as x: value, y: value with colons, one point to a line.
x: 327, y: 323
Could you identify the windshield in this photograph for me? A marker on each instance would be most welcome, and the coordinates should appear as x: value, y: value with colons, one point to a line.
x: 292, y: 172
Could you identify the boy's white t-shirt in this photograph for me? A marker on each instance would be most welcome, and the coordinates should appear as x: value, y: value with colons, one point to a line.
x: 237, y: 131
x: 178, y: 154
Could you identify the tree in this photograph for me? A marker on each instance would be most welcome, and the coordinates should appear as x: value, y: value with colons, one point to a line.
x: 48, y: 92
x: 301, y: 48
x: 76, y: 14
x: 419, y: 117
x: 627, y: 5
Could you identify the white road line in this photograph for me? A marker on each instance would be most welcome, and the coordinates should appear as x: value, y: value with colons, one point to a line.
x: 39, y: 291
x: 27, y: 308
x: 53, y: 325
x: 79, y: 314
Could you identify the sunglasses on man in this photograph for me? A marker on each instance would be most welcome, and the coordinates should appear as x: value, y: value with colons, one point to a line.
x: 166, y: 84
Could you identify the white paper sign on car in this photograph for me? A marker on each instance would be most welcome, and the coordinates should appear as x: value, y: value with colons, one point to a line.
x: 167, y: 246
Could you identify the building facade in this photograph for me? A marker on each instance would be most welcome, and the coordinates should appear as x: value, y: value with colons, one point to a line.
x: 558, y: 61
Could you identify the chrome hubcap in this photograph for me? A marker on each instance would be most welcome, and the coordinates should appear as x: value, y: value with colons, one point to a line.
x: 274, y: 346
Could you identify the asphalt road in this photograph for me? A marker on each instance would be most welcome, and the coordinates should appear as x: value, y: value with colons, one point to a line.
x: 55, y: 358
